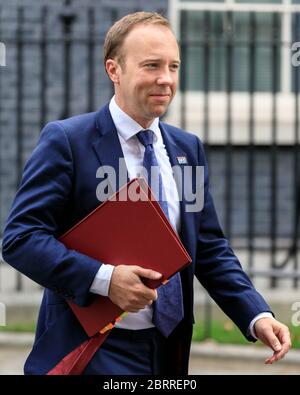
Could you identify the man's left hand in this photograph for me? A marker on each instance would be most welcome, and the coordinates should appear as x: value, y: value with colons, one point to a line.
x: 275, y: 335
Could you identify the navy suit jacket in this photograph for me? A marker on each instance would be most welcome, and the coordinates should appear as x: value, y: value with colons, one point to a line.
x: 58, y: 188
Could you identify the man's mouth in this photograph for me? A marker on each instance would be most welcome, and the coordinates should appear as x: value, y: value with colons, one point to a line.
x: 160, y: 96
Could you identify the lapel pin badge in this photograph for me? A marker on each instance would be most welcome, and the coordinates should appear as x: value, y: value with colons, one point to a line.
x: 182, y: 160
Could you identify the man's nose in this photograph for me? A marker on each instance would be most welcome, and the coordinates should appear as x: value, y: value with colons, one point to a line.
x: 165, y: 78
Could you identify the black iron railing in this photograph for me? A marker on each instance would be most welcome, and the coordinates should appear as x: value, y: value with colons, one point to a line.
x: 59, y: 31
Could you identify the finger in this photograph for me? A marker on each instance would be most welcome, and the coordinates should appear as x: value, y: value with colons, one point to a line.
x: 270, y: 360
x: 133, y: 304
x: 154, y: 296
x: 148, y: 294
x: 284, y: 349
x: 275, y: 357
x: 271, y: 340
x: 278, y: 355
x: 151, y: 296
x: 146, y: 301
x: 147, y: 273
x: 285, y: 339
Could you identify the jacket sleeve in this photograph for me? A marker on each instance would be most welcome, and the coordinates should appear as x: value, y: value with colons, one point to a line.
x: 37, y: 218
x: 219, y: 270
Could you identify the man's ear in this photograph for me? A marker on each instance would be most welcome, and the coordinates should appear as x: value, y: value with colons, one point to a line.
x: 112, y: 68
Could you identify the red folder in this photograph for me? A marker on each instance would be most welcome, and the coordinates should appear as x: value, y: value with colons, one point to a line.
x: 129, y: 228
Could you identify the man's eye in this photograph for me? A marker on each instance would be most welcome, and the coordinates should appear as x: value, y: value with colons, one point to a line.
x: 151, y: 65
x: 175, y: 66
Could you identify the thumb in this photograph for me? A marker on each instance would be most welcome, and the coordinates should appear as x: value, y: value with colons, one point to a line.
x: 147, y: 273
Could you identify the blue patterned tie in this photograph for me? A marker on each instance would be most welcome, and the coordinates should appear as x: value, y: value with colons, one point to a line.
x: 168, y: 308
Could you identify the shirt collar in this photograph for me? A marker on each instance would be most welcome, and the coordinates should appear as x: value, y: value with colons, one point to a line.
x: 128, y: 127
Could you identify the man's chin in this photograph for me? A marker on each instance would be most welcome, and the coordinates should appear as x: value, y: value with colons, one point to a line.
x: 159, y: 110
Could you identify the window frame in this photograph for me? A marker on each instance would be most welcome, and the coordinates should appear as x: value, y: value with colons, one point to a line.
x: 286, y: 9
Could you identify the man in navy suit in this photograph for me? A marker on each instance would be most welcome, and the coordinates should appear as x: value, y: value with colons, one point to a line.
x: 58, y: 189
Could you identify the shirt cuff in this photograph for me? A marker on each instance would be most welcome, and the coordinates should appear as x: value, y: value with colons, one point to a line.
x: 101, y: 281
x: 256, y: 318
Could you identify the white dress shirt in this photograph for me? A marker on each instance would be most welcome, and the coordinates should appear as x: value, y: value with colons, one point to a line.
x: 133, y: 152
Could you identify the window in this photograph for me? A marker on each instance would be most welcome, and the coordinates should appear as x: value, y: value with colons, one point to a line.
x: 233, y: 42
x: 227, y: 31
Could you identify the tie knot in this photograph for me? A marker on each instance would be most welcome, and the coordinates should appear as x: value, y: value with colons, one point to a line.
x: 145, y: 137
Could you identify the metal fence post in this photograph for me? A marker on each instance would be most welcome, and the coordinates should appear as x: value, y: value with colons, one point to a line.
x: 67, y: 18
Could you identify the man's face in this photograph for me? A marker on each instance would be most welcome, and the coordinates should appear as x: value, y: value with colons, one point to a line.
x: 146, y: 83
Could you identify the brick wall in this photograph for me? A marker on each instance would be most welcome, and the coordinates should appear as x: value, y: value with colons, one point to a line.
x: 262, y: 190
x: 28, y: 97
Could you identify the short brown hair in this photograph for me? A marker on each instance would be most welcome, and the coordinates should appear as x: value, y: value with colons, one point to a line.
x: 116, y: 35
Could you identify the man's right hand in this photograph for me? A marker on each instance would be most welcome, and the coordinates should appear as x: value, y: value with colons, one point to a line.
x: 127, y: 290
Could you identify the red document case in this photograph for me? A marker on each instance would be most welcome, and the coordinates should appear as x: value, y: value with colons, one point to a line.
x: 125, y: 231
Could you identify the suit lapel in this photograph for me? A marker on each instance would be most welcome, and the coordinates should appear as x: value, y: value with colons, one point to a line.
x: 108, y: 148
x: 175, y: 151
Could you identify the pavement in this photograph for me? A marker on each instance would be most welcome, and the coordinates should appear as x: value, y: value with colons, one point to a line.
x: 207, y: 358
x: 210, y: 358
